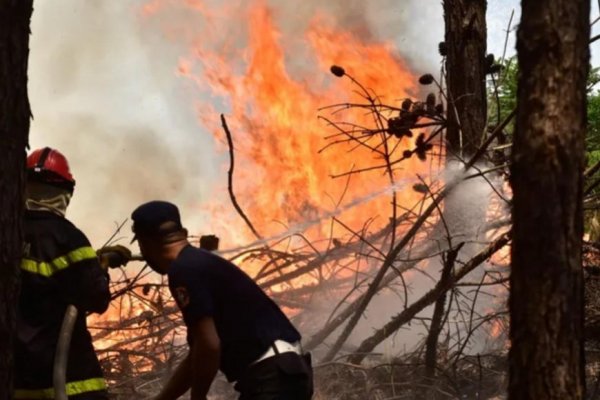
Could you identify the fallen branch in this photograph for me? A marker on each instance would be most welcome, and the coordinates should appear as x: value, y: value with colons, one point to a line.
x: 426, y: 300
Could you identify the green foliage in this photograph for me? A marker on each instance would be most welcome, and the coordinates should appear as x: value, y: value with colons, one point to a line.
x: 593, y: 131
x: 592, y: 143
x: 502, y: 99
x: 593, y: 78
x: 502, y: 93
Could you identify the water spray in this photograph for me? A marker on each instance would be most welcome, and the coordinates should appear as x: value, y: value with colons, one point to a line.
x: 301, y: 227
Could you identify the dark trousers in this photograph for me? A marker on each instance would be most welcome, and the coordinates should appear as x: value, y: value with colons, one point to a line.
x: 286, y: 376
x: 98, y: 395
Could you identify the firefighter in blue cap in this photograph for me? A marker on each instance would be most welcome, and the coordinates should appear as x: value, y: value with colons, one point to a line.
x: 232, y: 325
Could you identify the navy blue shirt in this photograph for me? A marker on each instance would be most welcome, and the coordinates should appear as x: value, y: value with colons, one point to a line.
x: 247, y: 320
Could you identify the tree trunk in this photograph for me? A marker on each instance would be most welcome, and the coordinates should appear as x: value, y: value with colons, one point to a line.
x: 546, y: 299
x: 15, y: 116
x: 435, y: 329
x: 466, y: 43
x: 437, y: 320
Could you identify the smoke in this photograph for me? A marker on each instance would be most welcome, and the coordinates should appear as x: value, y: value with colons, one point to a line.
x: 122, y: 118
x: 104, y: 91
x: 466, y: 219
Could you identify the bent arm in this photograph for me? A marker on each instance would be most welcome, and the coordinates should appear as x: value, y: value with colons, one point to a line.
x: 200, y: 366
x: 178, y: 383
x: 85, y: 283
x: 205, y: 356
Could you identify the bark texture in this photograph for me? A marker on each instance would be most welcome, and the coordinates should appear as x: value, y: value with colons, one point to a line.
x: 466, y: 44
x: 546, y: 299
x: 15, y: 116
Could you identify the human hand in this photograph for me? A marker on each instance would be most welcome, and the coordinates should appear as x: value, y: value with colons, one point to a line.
x: 114, y: 256
x: 209, y: 242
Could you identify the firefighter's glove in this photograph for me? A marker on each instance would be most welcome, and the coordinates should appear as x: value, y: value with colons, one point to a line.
x: 209, y: 242
x: 113, y: 256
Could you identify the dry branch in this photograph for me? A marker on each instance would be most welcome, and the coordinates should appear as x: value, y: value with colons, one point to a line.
x: 438, y: 313
x: 230, y: 179
x: 429, y: 298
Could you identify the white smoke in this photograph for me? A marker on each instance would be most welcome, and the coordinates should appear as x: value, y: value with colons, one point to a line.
x: 122, y: 118
x: 104, y: 90
x: 470, y: 200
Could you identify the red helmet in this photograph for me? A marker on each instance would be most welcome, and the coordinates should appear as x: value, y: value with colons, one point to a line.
x: 50, y: 166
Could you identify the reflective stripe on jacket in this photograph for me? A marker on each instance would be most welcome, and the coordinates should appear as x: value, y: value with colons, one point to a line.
x: 59, y: 268
x: 73, y: 388
x: 59, y: 263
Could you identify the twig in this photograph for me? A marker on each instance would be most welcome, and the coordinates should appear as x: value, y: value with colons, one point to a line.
x: 230, y: 179
x: 438, y: 312
x: 393, y: 254
x: 396, y: 322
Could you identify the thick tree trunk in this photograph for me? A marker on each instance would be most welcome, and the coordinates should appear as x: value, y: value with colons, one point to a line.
x: 466, y: 43
x: 15, y: 116
x: 546, y: 299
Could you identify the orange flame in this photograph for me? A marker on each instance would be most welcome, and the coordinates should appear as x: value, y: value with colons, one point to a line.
x: 281, y: 176
x: 274, y: 86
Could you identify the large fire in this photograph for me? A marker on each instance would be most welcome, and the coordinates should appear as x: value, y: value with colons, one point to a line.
x: 272, y: 87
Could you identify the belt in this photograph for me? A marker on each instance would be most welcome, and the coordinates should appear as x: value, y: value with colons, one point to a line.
x: 278, y: 347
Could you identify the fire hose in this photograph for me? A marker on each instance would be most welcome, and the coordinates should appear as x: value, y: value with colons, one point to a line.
x: 59, y: 373
x: 59, y: 376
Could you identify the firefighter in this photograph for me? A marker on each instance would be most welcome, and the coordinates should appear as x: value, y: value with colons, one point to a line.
x: 232, y: 325
x: 59, y: 268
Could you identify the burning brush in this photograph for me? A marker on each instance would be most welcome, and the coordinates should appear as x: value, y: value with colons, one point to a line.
x: 110, y: 257
x: 410, y: 115
x: 118, y: 255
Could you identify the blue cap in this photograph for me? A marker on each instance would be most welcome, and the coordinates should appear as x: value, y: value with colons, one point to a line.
x: 150, y: 219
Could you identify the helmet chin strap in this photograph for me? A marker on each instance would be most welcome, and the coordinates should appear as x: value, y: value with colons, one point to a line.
x: 42, y: 160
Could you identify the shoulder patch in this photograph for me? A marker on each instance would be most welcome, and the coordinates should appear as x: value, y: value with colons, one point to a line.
x: 182, y: 297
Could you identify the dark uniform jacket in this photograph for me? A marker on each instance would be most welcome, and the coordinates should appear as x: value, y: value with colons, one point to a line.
x: 247, y: 320
x: 59, y: 268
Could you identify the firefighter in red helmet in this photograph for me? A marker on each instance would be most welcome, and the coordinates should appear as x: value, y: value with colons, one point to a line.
x: 59, y: 268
